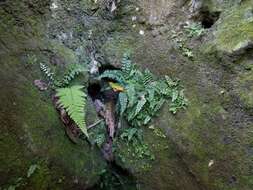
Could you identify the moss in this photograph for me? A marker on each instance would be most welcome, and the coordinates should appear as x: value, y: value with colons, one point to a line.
x: 244, y: 88
x: 115, y: 47
x: 217, y: 6
x: 157, y: 165
x: 235, y: 30
x: 33, y: 132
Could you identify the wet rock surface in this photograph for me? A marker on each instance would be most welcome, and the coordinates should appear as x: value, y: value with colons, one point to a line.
x: 207, y: 146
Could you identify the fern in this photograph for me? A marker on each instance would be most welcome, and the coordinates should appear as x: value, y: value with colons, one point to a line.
x: 140, y: 105
x: 74, y: 71
x: 131, y: 95
x: 47, y: 71
x: 122, y: 102
x: 71, y: 73
x: 143, y: 95
x: 147, y: 77
x: 127, y: 66
x: 114, y: 75
x: 73, y: 100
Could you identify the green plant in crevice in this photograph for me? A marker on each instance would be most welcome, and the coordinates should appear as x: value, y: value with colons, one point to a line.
x: 181, y: 45
x: 73, y: 100
x: 194, y: 30
x: 131, y: 133
x: 31, y: 60
x: 143, y: 94
x: 100, y: 139
x: 48, y: 72
x: 134, y: 146
x: 73, y: 71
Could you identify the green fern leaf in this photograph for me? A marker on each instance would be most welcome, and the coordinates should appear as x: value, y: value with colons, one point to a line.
x: 47, y: 71
x: 140, y: 105
x: 73, y: 71
x: 127, y: 66
x: 73, y: 100
x: 147, y: 77
x: 131, y: 94
x: 123, y: 102
x: 175, y: 95
x: 170, y: 82
x: 147, y: 120
x: 114, y: 75
x: 151, y: 94
x: 158, y: 105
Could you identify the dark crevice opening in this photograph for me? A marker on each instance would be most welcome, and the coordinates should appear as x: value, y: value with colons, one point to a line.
x: 208, y: 18
x: 94, y: 91
x: 114, y: 177
x: 105, y: 67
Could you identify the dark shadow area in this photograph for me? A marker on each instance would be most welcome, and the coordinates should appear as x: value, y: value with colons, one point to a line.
x: 208, y: 18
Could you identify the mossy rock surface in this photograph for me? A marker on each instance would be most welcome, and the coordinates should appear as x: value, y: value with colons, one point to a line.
x: 207, y: 146
x: 31, y: 131
x: 234, y: 34
x: 212, y: 133
x: 154, y: 162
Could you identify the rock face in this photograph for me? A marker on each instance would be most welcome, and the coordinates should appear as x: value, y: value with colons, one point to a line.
x: 208, y: 146
x: 212, y: 137
x: 31, y: 132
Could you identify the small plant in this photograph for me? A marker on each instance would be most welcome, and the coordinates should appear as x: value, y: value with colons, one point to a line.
x: 73, y: 71
x: 31, y: 60
x: 131, y: 133
x: 73, y: 100
x: 47, y: 71
x: 187, y: 52
x: 181, y: 45
x: 32, y: 169
x: 194, y: 30
x: 142, y: 94
x: 100, y: 139
x: 135, y: 146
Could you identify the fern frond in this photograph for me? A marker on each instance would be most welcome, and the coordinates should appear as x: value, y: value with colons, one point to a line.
x: 140, y: 105
x: 131, y: 94
x: 73, y: 100
x: 148, y: 77
x: 114, y: 75
x: 122, y: 102
x: 158, y: 105
x: 74, y: 71
x: 47, y: 71
x: 170, y: 82
x: 159, y: 86
x: 127, y: 66
x: 151, y: 94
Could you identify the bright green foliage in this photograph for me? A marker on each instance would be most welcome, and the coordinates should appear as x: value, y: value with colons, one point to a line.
x: 32, y: 169
x: 31, y: 59
x: 73, y: 100
x: 47, y: 71
x: 143, y: 94
x: 100, y: 139
x: 181, y: 41
x: 114, y: 75
x: 134, y: 139
x: 73, y: 71
x: 122, y: 102
x: 194, y: 30
x: 130, y: 133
